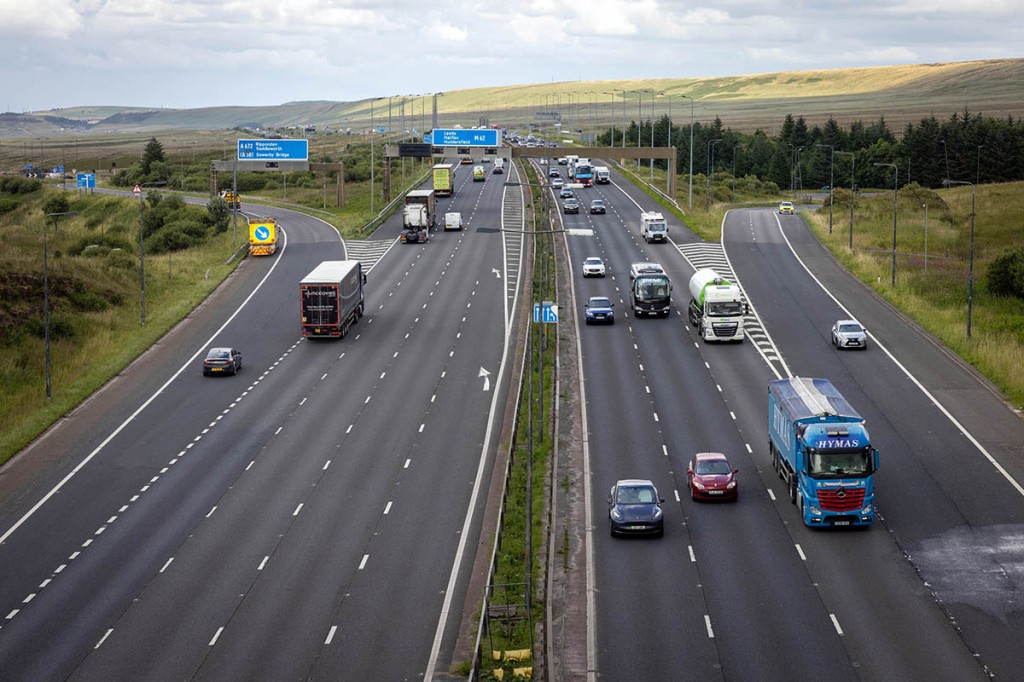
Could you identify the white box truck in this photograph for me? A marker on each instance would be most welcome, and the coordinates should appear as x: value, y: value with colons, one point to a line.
x: 653, y: 227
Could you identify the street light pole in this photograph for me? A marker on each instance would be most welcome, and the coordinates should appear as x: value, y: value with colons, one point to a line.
x: 853, y: 181
x: 707, y: 193
x: 970, y: 268
x: 691, y: 149
x: 895, y: 189
x: 831, y: 181
x: 925, y: 206
x: 977, y: 172
x: 46, y: 296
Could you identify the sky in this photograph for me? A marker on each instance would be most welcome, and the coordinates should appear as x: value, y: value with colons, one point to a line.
x: 200, y: 53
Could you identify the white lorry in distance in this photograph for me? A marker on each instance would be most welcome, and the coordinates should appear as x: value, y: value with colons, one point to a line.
x: 653, y: 227
x: 716, y: 307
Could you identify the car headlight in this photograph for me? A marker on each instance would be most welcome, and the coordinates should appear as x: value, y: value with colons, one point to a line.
x: 867, y: 509
x: 732, y: 484
x: 657, y: 513
x: 616, y: 514
x: 697, y: 484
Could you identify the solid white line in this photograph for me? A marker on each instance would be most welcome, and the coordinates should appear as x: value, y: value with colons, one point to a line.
x: 330, y: 634
x: 835, y: 622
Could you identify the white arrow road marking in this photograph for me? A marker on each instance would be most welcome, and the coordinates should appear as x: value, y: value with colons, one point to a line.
x: 487, y: 380
x: 497, y: 272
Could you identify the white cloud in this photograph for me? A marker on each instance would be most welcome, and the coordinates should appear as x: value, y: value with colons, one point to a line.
x: 39, y: 18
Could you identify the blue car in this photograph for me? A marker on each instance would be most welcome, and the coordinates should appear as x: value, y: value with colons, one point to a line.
x: 600, y: 309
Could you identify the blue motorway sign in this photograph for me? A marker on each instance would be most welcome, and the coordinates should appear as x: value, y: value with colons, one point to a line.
x: 273, y: 150
x: 85, y: 180
x: 458, y: 137
x: 546, y: 313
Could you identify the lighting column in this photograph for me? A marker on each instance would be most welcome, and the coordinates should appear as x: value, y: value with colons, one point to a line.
x: 895, y: 189
x: 970, y: 268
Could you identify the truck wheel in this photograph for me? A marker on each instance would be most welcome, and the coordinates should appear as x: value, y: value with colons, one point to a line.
x: 792, y: 489
x: 800, y: 503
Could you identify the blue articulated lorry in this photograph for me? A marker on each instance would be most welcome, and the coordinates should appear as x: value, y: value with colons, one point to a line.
x: 820, y: 447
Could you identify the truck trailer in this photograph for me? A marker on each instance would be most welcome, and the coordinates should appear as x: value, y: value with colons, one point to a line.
x: 444, y: 179
x: 418, y: 216
x: 716, y: 307
x: 820, y: 447
x: 332, y: 298
x: 651, y: 294
x: 262, y: 236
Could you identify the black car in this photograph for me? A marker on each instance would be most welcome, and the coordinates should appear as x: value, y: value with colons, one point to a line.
x: 570, y: 206
x: 597, y: 206
x: 222, y: 361
x: 635, y: 508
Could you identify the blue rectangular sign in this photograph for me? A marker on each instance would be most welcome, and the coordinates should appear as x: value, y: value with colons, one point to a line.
x: 273, y: 150
x: 457, y: 137
x: 85, y: 180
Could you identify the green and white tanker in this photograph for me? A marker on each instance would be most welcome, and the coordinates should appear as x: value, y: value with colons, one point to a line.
x: 716, y: 307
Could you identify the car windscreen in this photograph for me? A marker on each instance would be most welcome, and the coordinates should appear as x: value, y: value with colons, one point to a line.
x: 218, y: 355
x: 600, y: 303
x: 635, y: 495
x: 713, y: 467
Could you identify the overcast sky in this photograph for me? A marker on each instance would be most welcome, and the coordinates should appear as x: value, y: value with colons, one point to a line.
x: 196, y: 53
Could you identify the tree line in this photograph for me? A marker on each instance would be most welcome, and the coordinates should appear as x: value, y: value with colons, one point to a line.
x: 966, y: 148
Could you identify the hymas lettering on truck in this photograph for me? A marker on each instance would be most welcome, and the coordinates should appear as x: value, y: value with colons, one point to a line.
x: 829, y: 443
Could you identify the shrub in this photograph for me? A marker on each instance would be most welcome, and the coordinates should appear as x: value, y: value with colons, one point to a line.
x: 7, y: 204
x: 15, y: 185
x: 1006, y: 273
x: 120, y: 259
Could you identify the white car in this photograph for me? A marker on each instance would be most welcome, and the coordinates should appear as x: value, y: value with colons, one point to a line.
x: 593, y: 267
x: 849, y: 334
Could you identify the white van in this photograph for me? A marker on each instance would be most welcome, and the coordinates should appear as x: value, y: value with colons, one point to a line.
x: 452, y: 221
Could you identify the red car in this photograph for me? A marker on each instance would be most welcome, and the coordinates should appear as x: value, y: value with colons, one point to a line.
x: 711, y: 477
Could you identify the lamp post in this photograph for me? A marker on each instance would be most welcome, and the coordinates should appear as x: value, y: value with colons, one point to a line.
x: 925, y: 207
x: 624, y: 119
x: 707, y: 193
x: 691, y: 149
x: 831, y: 181
x: 853, y: 165
x: 46, y: 296
x: 372, y: 170
x: 650, y: 179
x: 142, y: 253
x: 945, y: 153
x: 970, y: 268
x: 977, y: 172
x: 895, y: 189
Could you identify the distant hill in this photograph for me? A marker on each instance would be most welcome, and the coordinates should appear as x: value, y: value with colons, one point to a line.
x: 899, y: 93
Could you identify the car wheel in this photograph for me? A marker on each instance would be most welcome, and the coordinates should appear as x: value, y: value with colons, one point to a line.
x: 693, y: 493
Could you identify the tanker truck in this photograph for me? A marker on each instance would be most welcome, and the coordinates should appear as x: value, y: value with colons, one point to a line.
x: 716, y: 307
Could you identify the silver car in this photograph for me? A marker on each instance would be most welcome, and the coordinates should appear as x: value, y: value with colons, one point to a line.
x: 849, y: 334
